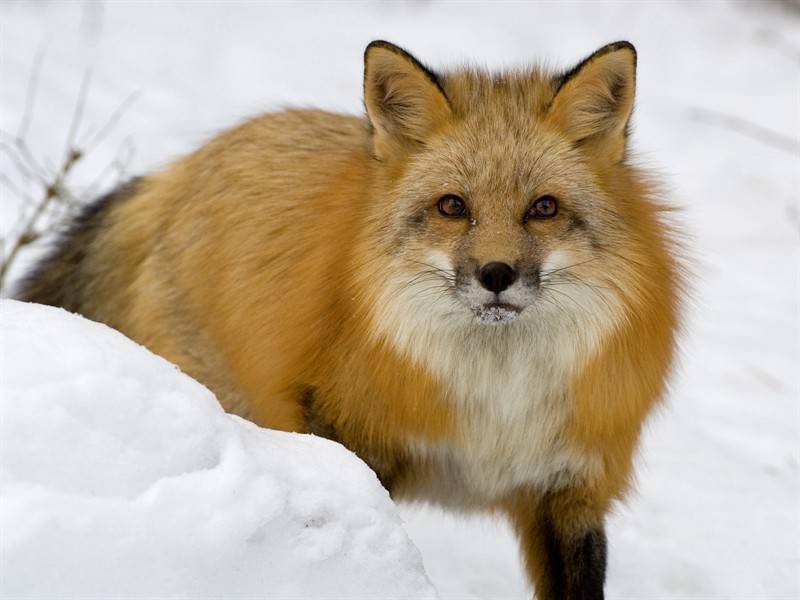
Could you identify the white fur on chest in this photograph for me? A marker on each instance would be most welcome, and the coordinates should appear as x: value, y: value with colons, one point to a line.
x: 511, y: 409
x: 508, y: 384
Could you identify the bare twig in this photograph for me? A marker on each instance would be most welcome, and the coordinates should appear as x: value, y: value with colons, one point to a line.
x: 76, y: 117
x: 747, y: 128
x: 14, y: 188
x: 30, y: 95
x: 118, y: 165
x: 27, y: 170
x: 95, y: 140
x: 19, y: 152
x: 29, y: 233
x: 56, y: 199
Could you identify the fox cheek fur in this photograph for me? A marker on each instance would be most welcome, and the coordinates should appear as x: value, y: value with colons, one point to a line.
x: 473, y: 288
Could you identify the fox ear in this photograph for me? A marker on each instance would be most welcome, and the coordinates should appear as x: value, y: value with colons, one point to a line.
x: 405, y: 101
x: 594, y: 100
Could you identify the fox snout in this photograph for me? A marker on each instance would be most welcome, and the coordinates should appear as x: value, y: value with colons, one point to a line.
x: 496, y: 276
x: 496, y: 291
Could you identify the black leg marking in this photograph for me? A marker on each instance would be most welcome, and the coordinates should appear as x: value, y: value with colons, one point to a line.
x: 585, y: 565
x: 577, y: 566
x: 555, y: 587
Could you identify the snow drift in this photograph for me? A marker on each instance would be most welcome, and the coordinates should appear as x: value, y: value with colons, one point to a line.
x: 123, y: 477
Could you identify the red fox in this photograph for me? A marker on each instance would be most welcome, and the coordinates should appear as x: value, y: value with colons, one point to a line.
x: 472, y: 288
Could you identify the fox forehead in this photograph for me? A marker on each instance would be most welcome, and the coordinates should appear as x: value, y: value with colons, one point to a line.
x: 514, y: 96
x: 498, y: 151
x: 499, y: 175
x: 501, y: 167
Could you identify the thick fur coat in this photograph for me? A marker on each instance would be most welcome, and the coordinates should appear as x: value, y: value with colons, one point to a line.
x: 473, y: 288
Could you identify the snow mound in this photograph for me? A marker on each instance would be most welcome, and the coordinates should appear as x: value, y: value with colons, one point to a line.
x: 122, y: 477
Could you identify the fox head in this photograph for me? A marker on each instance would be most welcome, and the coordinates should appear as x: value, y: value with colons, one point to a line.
x: 506, y: 201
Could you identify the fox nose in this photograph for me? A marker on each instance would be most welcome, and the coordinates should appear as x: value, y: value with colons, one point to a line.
x: 496, y: 276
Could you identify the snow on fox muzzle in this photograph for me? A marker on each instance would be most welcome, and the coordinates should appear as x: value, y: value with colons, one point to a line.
x: 497, y: 313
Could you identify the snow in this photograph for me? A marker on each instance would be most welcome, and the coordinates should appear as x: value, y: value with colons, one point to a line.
x: 717, y: 508
x: 121, y: 476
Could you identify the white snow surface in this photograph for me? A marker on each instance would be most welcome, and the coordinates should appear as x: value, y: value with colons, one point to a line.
x: 123, y: 478
x: 716, y: 513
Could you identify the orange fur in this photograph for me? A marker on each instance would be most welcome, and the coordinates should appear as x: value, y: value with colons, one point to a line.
x: 287, y: 265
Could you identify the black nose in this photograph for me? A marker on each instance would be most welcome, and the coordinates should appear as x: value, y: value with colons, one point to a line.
x: 496, y: 276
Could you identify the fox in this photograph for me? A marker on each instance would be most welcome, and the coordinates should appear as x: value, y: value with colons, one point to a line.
x: 472, y: 286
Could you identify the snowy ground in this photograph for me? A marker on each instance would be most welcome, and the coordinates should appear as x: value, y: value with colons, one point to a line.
x: 717, y: 512
x: 123, y: 477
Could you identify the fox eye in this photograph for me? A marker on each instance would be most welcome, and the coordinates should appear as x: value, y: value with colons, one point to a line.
x: 452, y: 206
x: 545, y: 207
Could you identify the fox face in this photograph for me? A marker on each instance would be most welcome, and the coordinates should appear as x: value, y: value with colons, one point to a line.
x: 504, y: 191
x: 497, y: 226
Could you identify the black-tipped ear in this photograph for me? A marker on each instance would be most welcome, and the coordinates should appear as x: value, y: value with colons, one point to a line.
x: 405, y: 101
x: 594, y: 100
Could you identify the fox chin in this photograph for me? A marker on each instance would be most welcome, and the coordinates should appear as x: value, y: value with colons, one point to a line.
x: 472, y: 287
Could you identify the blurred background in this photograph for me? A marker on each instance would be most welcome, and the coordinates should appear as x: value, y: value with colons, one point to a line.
x: 94, y: 92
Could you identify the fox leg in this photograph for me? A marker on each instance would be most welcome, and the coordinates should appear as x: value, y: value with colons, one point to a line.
x: 564, y: 544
